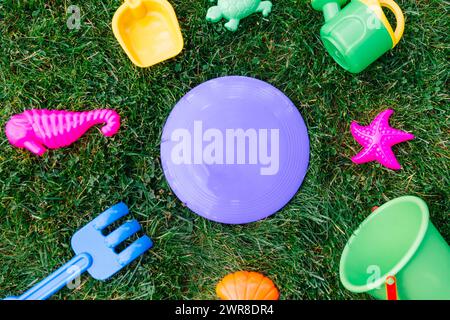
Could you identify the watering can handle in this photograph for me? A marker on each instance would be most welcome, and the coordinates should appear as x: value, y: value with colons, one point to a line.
x: 399, y: 17
x: 58, y: 279
x: 391, y: 288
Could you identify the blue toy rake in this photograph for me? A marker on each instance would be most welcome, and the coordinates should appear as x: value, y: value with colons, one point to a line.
x: 95, y: 253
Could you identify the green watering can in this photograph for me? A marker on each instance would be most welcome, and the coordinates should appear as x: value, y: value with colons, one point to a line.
x: 360, y: 33
x: 397, y: 253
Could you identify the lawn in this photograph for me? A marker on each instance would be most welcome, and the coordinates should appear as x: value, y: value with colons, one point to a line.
x: 43, y: 201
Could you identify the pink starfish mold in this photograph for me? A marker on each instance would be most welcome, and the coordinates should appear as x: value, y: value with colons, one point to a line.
x: 36, y: 129
x: 377, y: 140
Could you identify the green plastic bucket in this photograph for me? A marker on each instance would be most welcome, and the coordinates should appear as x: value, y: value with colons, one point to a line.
x: 399, y: 240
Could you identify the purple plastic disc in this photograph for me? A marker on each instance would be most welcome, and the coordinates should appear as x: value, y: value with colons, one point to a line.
x: 235, y: 150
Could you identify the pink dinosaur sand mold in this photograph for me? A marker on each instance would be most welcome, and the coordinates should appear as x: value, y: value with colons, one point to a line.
x: 36, y: 129
x: 377, y: 140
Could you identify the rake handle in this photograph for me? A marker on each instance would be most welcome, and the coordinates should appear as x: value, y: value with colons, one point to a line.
x: 58, y: 279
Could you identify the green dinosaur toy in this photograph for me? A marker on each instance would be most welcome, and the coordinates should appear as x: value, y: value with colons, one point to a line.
x: 235, y: 10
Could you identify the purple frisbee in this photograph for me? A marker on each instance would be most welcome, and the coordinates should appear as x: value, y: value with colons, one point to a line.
x: 235, y: 150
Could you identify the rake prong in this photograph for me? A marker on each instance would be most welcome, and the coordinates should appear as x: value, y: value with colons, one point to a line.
x: 134, y: 250
x: 122, y: 233
x: 109, y: 216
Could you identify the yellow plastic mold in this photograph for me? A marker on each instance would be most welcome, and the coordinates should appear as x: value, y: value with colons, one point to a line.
x: 148, y: 31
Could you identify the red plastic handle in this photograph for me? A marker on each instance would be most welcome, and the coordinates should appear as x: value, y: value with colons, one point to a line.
x: 391, y: 288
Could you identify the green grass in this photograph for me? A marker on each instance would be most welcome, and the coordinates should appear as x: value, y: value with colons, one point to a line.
x: 43, y: 201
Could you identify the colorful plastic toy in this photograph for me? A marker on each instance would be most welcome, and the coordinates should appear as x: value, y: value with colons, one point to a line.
x: 235, y: 10
x: 377, y: 140
x: 398, y: 245
x: 360, y: 33
x: 36, y: 129
x: 244, y: 285
x: 95, y: 253
x: 148, y: 31
x: 391, y: 288
x: 235, y: 150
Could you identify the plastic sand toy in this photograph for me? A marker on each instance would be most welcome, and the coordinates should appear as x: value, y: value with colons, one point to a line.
x: 244, y: 285
x: 377, y: 140
x: 360, y: 33
x: 95, y: 253
x: 35, y: 129
x: 235, y: 150
x: 235, y: 10
x: 397, y: 253
x: 148, y: 31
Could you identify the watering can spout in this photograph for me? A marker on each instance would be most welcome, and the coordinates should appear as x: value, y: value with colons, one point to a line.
x: 137, y: 8
x: 330, y: 8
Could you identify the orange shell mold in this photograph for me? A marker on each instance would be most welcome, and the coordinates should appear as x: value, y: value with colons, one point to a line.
x: 244, y: 285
